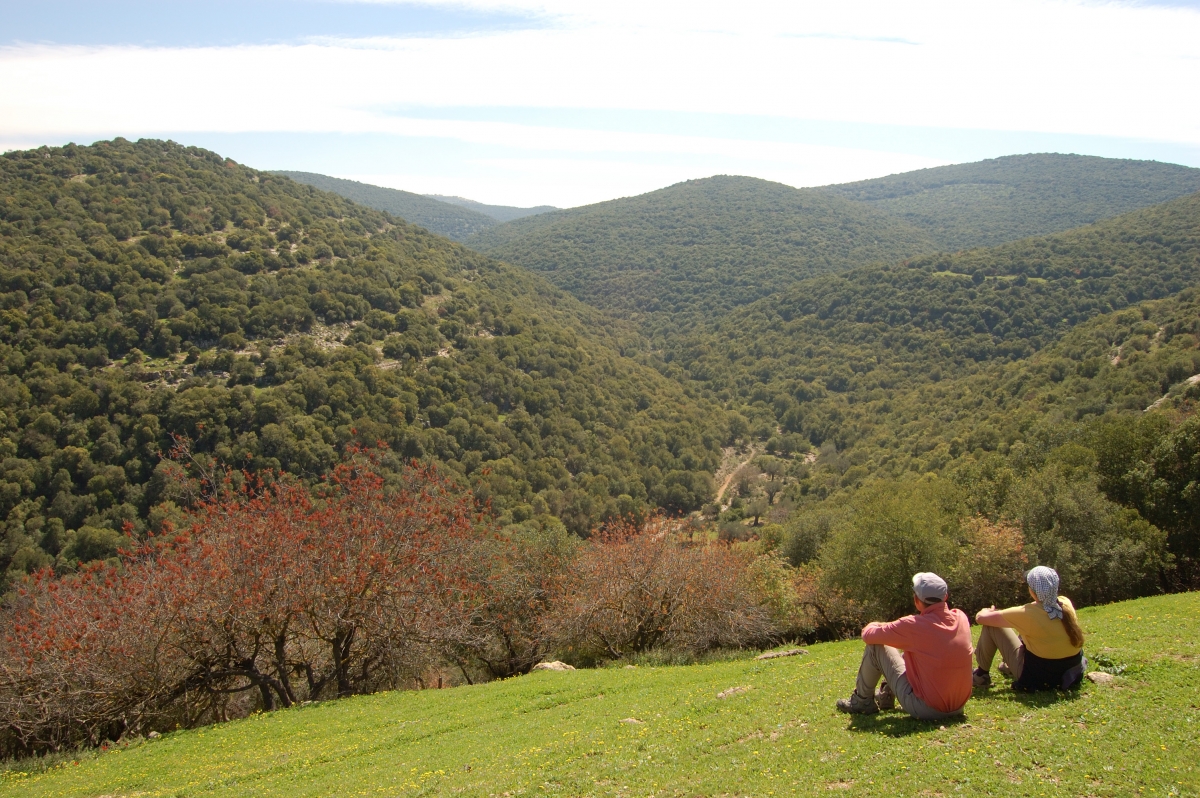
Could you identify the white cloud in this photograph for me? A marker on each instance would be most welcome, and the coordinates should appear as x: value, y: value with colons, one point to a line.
x: 1021, y: 65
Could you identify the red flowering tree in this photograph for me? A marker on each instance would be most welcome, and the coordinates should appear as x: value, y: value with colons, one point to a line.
x: 272, y: 591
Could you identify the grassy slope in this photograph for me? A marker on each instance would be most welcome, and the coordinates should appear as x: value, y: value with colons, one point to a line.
x: 1004, y: 199
x: 446, y: 219
x: 561, y: 733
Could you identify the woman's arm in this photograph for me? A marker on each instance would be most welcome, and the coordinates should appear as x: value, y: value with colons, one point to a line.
x: 990, y: 616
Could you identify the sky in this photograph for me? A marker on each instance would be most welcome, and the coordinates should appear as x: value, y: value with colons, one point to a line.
x: 566, y: 102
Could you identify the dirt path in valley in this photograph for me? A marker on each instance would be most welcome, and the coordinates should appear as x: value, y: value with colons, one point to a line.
x: 754, y: 452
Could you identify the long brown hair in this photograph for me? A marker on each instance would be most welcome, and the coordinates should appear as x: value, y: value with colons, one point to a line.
x: 1071, y: 623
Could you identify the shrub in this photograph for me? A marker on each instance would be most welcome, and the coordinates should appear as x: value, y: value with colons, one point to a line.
x: 636, y: 587
x: 519, y: 573
x: 1102, y: 551
x: 991, y: 565
x: 274, y: 592
x: 893, y: 530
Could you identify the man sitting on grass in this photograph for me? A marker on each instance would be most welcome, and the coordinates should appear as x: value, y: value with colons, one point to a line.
x: 932, y: 678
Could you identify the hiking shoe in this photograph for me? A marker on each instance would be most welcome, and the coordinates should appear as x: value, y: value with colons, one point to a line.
x: 981, y: 678
x: 885, y: 699
x: 857, y: 705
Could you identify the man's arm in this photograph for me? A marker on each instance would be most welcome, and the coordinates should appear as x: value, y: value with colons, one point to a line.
x: 892, y: 634
x: 990, y: 616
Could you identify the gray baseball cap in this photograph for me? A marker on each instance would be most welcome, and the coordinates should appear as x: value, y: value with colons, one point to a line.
x: 929, y: 587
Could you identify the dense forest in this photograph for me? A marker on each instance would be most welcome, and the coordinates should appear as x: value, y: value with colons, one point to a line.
x: 452, y: 220
x: 675, y: 256
x: 156, y: 293
x: 826, y: 350
x: 1003, y: 199
x: 1052, y: 380
x: 152, y: 290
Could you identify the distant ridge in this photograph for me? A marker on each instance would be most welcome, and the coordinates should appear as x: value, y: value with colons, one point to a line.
x: 706, y: 246
x: 453, y: 221
x: 700, y: 247
x: 501, y: 213
x: 1004, y: 199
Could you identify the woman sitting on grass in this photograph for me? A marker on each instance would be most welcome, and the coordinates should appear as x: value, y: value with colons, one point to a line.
x: 1049, y: 652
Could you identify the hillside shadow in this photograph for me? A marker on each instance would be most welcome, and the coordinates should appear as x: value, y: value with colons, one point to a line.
x: 1035, y: 700
x: 1043, y: 698
x: 898, y: 723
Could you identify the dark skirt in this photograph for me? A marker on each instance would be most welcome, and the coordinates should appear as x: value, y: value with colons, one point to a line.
x: 1050, y: 674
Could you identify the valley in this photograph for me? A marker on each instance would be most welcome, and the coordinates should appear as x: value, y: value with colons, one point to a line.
x: 689, y: 424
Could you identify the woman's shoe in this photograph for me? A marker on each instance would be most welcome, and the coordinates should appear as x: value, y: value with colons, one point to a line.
x: 981, y: 678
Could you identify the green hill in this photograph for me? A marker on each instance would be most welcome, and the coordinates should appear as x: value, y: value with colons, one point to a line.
x: 1004, y: 199
x: 665, y: 731
x: 151, y: 290
x: 838, y: 358
x: 700, y: 247
x: 452, y: 220
x: 684, y: 253
x: 501, y: 213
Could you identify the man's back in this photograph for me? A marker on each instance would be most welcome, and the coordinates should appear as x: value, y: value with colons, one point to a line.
x: 937, y: 653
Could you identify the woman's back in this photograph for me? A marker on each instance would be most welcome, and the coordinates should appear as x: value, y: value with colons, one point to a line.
x: 1043, y: 636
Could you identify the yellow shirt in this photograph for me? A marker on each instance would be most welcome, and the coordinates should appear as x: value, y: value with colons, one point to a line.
x: 1042, y: 636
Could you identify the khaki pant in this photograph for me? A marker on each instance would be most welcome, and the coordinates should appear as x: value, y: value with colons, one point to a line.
x: 888, y: 662
x: 995, y: 638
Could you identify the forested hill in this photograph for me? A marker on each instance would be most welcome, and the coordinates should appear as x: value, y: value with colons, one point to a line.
x: 855, y: 360
x: 451, y: 220
x: 501, y: 213
x: 150, y: 289
x: 680, y: 255
x: 1004, y: 199
x: 699, y: 247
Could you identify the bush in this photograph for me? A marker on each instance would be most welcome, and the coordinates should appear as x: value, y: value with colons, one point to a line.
x: 892, y: 531
x: 637, y: 588
x: 519, y: 573
x: 267, y: 598
x: 807, y: 531
x: 1102, y: 551
x: 991, y: 565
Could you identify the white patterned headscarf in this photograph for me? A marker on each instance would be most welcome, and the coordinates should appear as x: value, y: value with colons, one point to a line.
x: 1044, y: 582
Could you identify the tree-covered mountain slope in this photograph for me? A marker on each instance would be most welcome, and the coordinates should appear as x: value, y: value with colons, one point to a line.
x: 501, y: 213
x: 699, y: 247
x: 150, y: 290
x: 452, y: 220
x: 1005, y: 199
x: 875, y: 359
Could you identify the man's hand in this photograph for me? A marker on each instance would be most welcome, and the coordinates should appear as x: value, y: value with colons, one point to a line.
x: 985, y: 610
x: 872, y: 625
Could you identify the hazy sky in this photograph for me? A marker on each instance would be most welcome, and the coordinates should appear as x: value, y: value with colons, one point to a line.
x: 567, y: 102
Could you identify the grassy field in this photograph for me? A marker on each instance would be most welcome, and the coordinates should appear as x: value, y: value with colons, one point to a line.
x: 663, y: 731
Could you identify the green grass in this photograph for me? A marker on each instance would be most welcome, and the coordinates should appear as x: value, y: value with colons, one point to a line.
x: 562, y: 734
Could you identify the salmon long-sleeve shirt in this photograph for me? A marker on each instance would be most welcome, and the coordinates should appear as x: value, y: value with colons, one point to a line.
x: 937, y: 653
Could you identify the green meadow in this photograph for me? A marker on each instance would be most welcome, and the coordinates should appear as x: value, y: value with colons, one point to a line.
x: 644, y: 730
